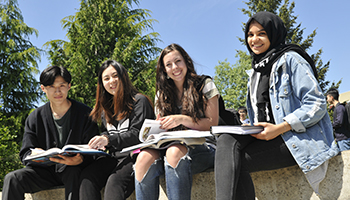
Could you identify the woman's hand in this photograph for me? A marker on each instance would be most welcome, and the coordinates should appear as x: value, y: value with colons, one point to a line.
x: 69, y: 160
x: 171, y: 121
x: 271, y: 131
x: 98, y: 142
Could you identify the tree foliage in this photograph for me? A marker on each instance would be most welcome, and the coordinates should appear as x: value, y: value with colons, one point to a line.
x: 106, y: 29
x: 236, y: 87
x: 230, y: 84
x: 18, y: 61
x: 19, y: 89
x: 11, y: 132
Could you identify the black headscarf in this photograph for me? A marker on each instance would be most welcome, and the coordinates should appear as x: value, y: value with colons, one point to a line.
x: 276, y: 32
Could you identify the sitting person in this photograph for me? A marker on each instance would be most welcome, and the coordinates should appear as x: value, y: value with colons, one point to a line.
x: 285, y: 98
x: 59, y: 122
x: 122, y: 111
x: 183, y: 101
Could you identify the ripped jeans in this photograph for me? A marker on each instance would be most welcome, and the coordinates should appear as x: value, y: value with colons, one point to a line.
x: 179, y: 179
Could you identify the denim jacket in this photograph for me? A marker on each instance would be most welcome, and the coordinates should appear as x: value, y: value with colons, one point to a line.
x: 296, y: 98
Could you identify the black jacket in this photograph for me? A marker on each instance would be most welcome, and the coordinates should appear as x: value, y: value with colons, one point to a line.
x: 127, y: 130
x: 40, y: 130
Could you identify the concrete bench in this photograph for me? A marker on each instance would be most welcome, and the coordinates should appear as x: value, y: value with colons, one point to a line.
x: 287, y: 183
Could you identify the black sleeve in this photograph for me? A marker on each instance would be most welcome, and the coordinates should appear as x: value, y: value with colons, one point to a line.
x: 338, y: 117
x: 142, y: 110
x: 30, y: 139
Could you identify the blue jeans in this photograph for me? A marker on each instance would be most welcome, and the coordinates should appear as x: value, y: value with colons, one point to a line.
x: 344, y: 144
x: 178, y: 179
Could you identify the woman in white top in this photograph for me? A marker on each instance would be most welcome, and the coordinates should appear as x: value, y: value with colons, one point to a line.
x: 184, y: 100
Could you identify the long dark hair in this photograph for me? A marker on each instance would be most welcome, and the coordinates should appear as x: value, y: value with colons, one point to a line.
x: 193, y: 101
x: 116, y: 106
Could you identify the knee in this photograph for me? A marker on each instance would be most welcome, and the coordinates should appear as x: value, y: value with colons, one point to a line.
x: 11, y: 178
x: 144, y: 161
x: 146, y: 158
x: 175, y: 153
x: 225, y: 140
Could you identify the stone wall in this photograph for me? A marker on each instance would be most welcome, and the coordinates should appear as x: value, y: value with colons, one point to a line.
x: 290, y: 183
x: 287, y: 184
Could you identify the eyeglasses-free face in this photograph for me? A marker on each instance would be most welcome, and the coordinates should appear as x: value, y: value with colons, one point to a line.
x: 257, y: 38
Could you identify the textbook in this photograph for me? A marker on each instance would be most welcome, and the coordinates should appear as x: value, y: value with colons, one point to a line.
x: 236, y: 129
x: 163, y: 140
x: 149, y: 127
x: 41, y: 157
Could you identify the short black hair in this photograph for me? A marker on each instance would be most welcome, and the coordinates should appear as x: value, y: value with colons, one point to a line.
x: 334, y: 93
x: 48, y: 76
x: 242, y: 108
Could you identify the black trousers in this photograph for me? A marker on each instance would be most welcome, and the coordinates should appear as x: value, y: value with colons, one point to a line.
x: 115, y: 175
x: 34, y: 179
x: 238, y: 155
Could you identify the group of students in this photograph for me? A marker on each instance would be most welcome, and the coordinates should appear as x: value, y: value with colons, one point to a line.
x: 283, y: 97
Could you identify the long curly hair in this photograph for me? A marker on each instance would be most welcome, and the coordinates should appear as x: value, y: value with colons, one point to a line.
x: 116, y: 106
x: 193, y: 102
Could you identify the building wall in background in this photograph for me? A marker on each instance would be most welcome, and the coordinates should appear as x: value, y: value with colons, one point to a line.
x: 344, y: 97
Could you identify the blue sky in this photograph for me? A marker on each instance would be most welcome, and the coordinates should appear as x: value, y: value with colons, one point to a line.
x: 208, y: 29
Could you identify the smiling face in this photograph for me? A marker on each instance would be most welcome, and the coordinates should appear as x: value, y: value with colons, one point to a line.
x: 58, y: 91
x: 257, y: 38
x: 175, y: 66
x: 110, y: 80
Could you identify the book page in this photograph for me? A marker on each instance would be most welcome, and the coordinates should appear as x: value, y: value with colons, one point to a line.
x: 236, y: 129
x: 36, y: 153
x: 81, y: 147
x: 156, y: 140
x: 148, y: 128
x: 68, y: 150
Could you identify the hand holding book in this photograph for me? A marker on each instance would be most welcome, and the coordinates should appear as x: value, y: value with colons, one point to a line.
x: 43, y: 157
x: 68, y: 159
x: 163, y: 139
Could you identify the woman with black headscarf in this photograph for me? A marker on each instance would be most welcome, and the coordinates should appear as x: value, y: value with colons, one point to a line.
x: 285, y: 98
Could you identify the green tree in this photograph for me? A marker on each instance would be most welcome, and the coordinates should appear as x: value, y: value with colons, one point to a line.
x: 228, y: 74
x: 106, y: 29
x: 19, y: 90
x: 18, y: 61
x: 11, y: 130
x: 228, y: 80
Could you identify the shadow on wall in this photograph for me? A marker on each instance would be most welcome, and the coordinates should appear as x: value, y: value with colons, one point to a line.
x: 330, y: 187
x: 290, y: 183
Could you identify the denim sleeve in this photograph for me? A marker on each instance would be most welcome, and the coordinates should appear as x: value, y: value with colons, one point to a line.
x: 312, y: 103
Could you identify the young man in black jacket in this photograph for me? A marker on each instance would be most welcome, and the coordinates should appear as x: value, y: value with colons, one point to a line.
x: 59, y: 122
x: 340, y: 120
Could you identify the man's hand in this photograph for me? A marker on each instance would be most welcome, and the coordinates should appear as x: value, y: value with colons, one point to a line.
x: 69, y: 160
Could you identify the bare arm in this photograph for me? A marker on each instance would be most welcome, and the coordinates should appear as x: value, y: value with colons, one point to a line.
x: 204, y: 124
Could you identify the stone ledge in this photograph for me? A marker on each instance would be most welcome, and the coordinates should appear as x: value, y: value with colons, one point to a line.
x: 287, y: 184
x: 290, y: 183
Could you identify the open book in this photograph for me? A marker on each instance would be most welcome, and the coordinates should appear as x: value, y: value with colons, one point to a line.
x: 236, y: 129
x: 149, y: 127
x: 42, y: 156
x: 165, y: 139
